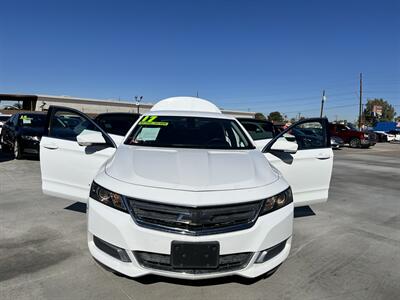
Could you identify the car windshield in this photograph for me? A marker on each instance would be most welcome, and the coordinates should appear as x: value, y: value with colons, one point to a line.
x: 31, y: 120
x: 188, y: 132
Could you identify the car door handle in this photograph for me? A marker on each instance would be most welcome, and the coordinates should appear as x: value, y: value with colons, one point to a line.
x: 323, y: 156
x: 51, y: 146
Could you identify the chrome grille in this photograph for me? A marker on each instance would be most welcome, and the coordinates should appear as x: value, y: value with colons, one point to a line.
x: 227, y: 263
x: 194, y: 220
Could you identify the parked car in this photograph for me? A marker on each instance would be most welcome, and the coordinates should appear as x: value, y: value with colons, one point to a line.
x: 185, y: 194
x: 384, y: 137
x: 22, y: 133
x: 116, y: 123
x: 354, y: 138
x: 260, y: 131
x: 3, y: 119
x: 395, y: 133
x: 336, y: 142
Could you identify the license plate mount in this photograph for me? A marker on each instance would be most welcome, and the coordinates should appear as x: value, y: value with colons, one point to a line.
x: 189, y: 255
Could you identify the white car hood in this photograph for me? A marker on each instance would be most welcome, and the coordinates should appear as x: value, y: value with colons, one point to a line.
x: 191, y: 169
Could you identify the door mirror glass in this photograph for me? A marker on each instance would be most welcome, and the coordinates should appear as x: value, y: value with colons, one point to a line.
x: 90, y: 137
x: 283, y: 145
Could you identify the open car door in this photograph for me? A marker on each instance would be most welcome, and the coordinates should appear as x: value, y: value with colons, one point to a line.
x: 72, y: 151
x: 303, y: 154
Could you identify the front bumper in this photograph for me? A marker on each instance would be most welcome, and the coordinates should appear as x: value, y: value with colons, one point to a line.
x: 118, y: 229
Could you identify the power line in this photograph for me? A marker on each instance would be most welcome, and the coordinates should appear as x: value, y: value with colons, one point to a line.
x: 328, y: 108
x: 265, y: 101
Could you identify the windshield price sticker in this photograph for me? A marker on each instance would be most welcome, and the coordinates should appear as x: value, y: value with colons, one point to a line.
x: 25, y: 119
x: 151, y: 120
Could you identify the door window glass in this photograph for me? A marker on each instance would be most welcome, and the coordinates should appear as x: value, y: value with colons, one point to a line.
x: 309, y: 135
x: 67, y: 125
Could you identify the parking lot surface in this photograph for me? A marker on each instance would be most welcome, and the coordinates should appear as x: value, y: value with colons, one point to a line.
x: 348, y: 248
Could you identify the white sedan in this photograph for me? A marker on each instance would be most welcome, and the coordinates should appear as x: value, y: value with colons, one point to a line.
x: 185, y: 193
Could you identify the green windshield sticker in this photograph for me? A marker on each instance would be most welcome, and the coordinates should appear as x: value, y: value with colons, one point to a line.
x: 25, y: 119
x: 150, y: 121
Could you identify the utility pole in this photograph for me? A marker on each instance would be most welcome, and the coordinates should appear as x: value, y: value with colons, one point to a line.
x: 360, y: 108
x: 322, y: 103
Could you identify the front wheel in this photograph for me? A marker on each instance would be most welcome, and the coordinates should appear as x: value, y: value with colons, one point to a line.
x: 355, y: 143
x: 17, y: 150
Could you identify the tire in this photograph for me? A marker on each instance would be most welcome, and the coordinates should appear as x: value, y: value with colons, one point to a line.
x: 17, y: 151
x: 355, y: 143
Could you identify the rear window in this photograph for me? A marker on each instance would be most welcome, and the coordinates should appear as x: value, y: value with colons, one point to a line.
x: 31, y: 120
x: 188, y: 132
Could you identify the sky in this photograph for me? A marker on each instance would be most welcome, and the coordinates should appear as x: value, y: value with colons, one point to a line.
x: 250, y: 55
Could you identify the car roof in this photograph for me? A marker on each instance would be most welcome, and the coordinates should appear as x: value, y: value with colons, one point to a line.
x: 183, y: 113
x: 185, y: 104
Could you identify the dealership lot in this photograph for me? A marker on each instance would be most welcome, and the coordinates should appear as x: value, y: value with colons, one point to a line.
x: 347, y: 248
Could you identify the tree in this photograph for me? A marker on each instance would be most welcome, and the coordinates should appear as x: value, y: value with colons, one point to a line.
x: 388, y: 112
x: 275, y: 116
x: 260, y: 116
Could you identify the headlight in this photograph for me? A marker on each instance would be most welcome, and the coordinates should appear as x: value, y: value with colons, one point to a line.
x: 30, y: 138
x: 366, y: 135
x: 107, y: 197
x: 278, y: 201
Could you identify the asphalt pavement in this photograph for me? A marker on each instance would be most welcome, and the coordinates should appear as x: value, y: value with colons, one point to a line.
x: 347, y: 248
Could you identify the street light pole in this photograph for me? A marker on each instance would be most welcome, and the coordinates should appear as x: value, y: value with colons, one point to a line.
x: 360, y: 121
x: 138, y: 99
x: 322, y: 103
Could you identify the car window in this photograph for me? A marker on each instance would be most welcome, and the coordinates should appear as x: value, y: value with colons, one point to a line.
x: 31, y: 120
x: 342, y: 127
x: 258, y: 130
x: 310, y: 135
x: 4, y: 118
x: 68, y: 125
x: 118, y: 124
x: 189, y: 132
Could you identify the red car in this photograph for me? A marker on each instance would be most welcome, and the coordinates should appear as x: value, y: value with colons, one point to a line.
x: 355, y: 138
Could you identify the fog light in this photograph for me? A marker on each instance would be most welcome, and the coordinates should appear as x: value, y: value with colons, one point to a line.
x: 111, y: 250
x: 270, y: 253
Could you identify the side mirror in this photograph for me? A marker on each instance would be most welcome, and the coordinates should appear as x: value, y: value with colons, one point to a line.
x: 283, y: 145
x: 90, y: 137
